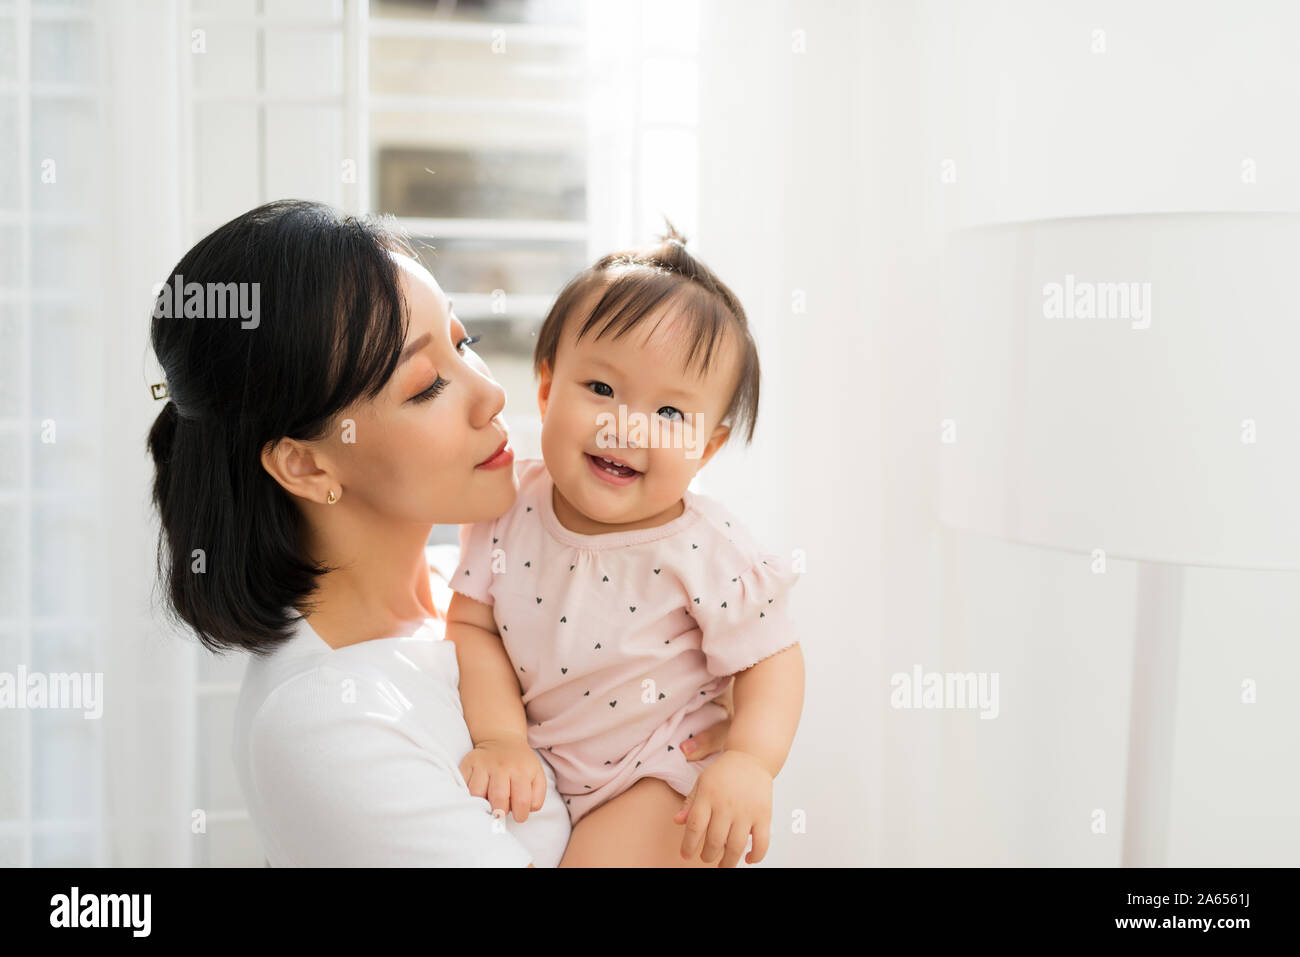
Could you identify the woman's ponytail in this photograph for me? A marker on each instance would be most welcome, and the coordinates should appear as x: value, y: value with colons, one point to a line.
x: 162, y: 437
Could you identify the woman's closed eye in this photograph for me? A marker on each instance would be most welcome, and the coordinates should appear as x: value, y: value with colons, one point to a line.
x: 439, y: 383
x: 435, y: 389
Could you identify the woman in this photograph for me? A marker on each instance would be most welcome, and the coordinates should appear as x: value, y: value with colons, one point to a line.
x: 301, y: 462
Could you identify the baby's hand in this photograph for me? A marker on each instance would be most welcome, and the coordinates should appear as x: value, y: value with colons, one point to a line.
x: 508, y: 773
x: 731, y: 798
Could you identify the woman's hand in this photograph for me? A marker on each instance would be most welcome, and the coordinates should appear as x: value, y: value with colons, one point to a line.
x: 508, y: 773
x: 713, y: 738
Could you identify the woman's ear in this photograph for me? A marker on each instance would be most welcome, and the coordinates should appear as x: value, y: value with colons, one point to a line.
x: 295, y: 466
x: 544, y: 388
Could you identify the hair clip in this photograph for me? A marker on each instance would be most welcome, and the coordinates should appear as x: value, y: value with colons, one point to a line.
x: 159, y: 390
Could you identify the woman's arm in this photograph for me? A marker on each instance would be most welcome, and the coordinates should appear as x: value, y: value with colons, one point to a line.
x: 338, y: 779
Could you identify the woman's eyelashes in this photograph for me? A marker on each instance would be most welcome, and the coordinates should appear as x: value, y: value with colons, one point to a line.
x: 434, y: 390
x: 439, y: 383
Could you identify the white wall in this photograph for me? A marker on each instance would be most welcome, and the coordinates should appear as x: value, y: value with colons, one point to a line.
x: 782, y: 200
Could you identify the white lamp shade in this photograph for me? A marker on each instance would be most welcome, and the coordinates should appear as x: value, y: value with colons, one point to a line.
x: 1169, y: 437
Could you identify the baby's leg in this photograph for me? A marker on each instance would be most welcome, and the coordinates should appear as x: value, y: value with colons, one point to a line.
x: 635, y: 829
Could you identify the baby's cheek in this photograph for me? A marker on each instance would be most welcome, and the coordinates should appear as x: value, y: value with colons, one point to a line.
x: 672, y: 479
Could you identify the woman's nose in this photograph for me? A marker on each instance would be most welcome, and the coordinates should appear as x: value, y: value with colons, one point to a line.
x: 489, y: 400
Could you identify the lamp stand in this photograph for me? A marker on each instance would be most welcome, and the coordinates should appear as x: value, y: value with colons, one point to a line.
x: 1152, y: 713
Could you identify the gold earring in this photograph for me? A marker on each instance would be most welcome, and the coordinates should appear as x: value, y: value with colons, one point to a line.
x: 331, y: 498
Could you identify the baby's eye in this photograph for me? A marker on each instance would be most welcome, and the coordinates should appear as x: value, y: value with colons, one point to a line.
x: 597, y: 387
x: 668, y: 412
x: 467, y: 341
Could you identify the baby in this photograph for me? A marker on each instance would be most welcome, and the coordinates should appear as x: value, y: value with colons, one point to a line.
x: 620, y: 602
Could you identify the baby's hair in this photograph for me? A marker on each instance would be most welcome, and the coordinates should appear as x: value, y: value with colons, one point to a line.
x: 636, y: 283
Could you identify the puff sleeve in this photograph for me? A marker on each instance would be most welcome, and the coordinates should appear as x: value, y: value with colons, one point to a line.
x: 473, y: 575
x: 745, y: 617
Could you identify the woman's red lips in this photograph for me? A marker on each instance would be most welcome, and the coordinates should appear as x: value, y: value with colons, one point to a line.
x: 504, y: 455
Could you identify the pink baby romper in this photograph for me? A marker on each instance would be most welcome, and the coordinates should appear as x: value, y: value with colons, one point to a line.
x: 621, y: 641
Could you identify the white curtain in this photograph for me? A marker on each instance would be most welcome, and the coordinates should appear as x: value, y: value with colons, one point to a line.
x: 787, y: 196
x: 150, y: 670
x: 94, y: 140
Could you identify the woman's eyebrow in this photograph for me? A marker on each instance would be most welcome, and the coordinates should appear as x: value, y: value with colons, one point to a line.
x: 418, y: 344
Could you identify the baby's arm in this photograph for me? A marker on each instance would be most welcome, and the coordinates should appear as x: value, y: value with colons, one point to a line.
x: 502, y: 767
x: 733, y: 796
x: 768, y: 702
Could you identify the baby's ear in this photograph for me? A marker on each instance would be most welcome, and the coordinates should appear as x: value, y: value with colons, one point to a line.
x: 716, y: 441
x: 543, y: 387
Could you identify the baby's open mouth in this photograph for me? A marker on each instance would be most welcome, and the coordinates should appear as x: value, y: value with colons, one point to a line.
x: 612, y: 466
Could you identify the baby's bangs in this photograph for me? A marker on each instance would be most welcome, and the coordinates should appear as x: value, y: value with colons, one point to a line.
x: 633, y: 295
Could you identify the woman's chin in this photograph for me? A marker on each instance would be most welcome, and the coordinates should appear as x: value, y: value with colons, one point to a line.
x: 492, y: 495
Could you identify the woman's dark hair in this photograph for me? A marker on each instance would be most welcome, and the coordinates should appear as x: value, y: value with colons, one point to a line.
x: 636, y: 283
x: 326, y: 328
